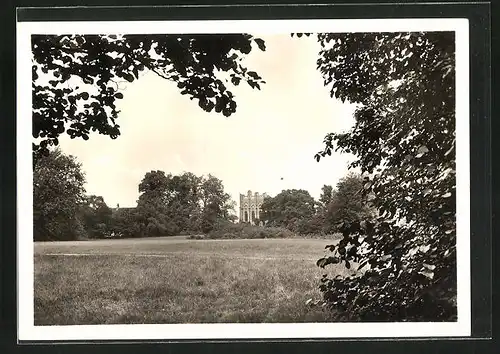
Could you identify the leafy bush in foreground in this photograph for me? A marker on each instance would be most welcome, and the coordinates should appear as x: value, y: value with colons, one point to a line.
x: 404, y: 141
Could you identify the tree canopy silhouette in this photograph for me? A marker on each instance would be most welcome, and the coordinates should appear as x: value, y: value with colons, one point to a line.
x: 76, y: 77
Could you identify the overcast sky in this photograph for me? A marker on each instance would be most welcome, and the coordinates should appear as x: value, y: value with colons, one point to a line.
x: 268, y: 145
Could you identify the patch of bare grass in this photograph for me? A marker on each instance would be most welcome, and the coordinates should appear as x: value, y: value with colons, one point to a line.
x: 243, y: 282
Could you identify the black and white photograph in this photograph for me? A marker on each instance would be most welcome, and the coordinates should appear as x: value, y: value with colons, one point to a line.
x: 243, y: 179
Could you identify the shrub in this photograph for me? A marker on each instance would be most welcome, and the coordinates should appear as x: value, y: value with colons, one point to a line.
x: 196, y: 237
x: 227, y: 230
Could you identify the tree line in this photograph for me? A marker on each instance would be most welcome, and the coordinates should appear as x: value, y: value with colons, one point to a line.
x: 297, y: 211
x: 167, y: 204
x: 176, y: 204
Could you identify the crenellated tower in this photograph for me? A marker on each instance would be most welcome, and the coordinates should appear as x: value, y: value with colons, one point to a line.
x: 250, y: 206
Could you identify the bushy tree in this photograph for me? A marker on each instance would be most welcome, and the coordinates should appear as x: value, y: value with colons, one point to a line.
x: 76, y: 77
x: 326, y: 196
x: 344, y: 203
x: 96, y: 216
x: 404, y: 140
x: 152, y: 213
x: 216, y: 203
x: 58, y: 192
x: 169, y: 205
x: 126, y: 223
x: 292, y: 209
x: 348, y: 202
x: 183, y: 201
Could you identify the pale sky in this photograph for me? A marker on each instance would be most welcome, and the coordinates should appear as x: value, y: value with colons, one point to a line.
x: 274, y: 133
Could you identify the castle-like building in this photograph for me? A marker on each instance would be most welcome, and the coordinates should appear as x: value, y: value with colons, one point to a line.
x: 250, y: 205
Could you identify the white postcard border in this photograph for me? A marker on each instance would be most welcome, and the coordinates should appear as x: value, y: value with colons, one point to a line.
x: 27, y: 331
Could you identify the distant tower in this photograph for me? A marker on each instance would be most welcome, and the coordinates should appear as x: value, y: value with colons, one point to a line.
x: 250, y: 205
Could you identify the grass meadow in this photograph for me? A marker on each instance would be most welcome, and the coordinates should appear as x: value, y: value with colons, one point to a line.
x: 176, y: 280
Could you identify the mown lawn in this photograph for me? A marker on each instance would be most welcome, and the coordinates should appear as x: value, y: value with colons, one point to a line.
x: 178, y: 281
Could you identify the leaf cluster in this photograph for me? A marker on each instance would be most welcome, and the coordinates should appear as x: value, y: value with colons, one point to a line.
x: 77, y: 79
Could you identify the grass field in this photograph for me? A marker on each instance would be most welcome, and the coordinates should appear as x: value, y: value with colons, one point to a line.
x: 176, y: 280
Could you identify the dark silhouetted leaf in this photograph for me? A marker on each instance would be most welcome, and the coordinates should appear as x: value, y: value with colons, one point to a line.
x: 260, y: 43
x: 128, y: 77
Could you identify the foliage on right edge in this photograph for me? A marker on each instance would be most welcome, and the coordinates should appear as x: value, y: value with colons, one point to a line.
x: 404, y: 140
